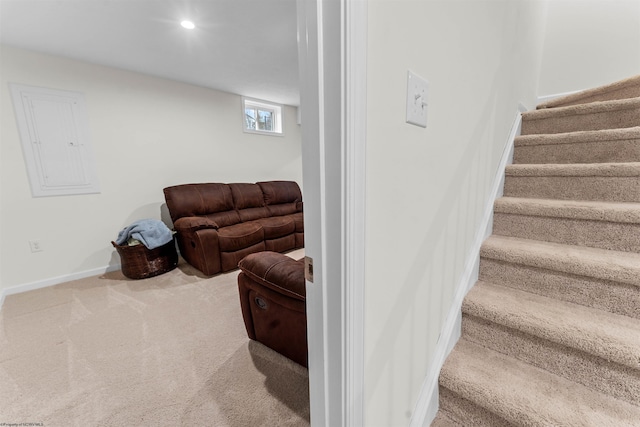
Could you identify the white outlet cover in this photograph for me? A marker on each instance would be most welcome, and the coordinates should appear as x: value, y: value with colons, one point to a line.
x: 417, y: 99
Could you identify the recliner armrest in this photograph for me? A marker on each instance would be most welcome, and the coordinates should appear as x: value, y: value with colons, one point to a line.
x: 194, y: 223
x: 276, y: 271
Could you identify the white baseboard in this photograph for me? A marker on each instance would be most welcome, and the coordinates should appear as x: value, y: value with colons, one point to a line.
x: 547, y: 98
x: 427, y: 405
x: 55, y: 281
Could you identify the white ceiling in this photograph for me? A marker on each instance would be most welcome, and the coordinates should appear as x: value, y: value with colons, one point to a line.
x: 247, y: 47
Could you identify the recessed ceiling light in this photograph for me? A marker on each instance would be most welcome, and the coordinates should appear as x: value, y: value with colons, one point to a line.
x: 189, y: 25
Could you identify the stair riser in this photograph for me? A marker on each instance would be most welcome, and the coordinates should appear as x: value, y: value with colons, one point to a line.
x: 467, y: 413
x: 616, y: 380
x: 617, y: 298
x: 596, y: 234
x: 592, y: 188
x: 622, y: 118
x: 591, y: 152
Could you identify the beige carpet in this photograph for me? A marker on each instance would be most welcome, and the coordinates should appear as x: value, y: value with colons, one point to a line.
x: 165, y: 351
x: 551, y: 331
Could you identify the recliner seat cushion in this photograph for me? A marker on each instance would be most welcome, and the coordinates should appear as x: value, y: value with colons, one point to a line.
x: 277, y: 226
x: 240, y: 236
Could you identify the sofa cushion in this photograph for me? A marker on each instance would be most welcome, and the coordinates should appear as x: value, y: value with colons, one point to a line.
x: 198, y: 199
x: 298, y: 219
x: 247, y: 195
x: 277, y: 226
x: 240, y: 236
x: 282, y: 209
x: 249, y: 201
x: 281, y: 244
x: 278, y: 192
x: 225, y: 218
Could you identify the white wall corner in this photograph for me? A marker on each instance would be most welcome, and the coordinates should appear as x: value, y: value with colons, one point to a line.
x: 427, y: 404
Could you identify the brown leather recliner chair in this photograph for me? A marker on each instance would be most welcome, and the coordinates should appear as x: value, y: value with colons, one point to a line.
x: 273, y: 300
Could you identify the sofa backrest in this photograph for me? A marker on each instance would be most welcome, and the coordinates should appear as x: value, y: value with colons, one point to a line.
x: 229, y: 204
x: 281, y: 197
x: 248, y: 199
x: 212, y: 200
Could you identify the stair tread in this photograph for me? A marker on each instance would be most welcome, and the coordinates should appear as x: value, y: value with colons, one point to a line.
x: 526, y: 395
x: 575, y: 169
x: 622, y: 267
x: 581, y: 109
x: 601, y: 135
x: 607, y: 335
x: 624, y: 212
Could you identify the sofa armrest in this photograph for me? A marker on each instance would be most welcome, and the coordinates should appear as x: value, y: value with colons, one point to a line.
x: 299, y: 206
x: 194, y: 223
x: 277, y: 272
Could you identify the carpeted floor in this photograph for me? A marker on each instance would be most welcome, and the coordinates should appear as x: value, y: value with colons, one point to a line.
x: 551, y: 331
x: 165, y: 351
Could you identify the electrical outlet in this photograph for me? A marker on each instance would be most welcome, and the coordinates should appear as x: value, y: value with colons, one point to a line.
x: 36, y: 246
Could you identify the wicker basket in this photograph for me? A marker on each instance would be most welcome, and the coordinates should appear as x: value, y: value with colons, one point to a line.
x: 138, y: 262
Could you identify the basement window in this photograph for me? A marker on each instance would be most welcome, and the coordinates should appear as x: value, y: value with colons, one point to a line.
x: 261, y: 117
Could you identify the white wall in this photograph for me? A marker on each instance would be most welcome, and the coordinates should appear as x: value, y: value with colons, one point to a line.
x: 147, y: 133
x: 589, y: 43
x: 426, y: 188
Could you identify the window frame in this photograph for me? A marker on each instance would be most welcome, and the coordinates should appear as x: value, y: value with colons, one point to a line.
x: 277, y: 111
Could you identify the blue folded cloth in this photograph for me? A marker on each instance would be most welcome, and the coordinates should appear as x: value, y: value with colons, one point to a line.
x: 151, y: 232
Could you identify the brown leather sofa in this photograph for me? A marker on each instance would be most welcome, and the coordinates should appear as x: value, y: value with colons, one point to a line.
x: 272, y: 297
x: 219, y: 224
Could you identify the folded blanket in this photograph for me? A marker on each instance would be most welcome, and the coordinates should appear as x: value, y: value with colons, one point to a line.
x: 151, y: 232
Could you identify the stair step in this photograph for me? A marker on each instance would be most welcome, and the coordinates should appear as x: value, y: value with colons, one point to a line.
x: 613, y: 182
x: 444, y: 420
x: 525, y: 395
x: 609, y: 336
x: 621, y: 267
x: 593, y: 347
x: 622, y: 113
x: 599, y: 146
x: 627, y: 88
x: 461, y: 412
x: 605, y: 225
x: 597, y: 278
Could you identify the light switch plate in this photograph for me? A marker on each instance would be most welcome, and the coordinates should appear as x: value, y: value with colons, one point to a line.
x: 417, y: 99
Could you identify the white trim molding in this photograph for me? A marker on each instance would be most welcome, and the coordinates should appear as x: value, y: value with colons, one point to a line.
x: 546, y: 98
x: 427, y: 404
x: 355, y: 41
x: 39, y: 284
x: 332, y: 39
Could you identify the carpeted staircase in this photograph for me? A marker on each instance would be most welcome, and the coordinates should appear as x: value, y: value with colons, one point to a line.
x: 551, y: 330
